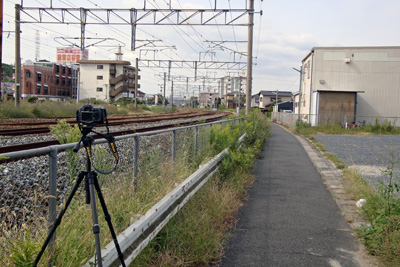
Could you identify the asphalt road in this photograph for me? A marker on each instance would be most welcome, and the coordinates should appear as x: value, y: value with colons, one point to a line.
x: 290, y: 217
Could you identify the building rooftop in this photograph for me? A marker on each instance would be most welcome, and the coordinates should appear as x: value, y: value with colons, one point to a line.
x: 118, y: 62
x: 273, y: 93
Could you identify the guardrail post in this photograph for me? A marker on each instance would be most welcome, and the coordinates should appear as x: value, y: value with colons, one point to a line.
x: 196, y: 141
x: 136, y: 161
x: 173, y: 144
x: 52, y: 189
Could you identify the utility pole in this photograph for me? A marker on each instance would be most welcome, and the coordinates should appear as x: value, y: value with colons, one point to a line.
x: 1, y: 49
x: 17, y: 56
x: 136, y: 81
x: 172, y: 94
x: 198, y: 99
x: 165, y: 79
x: 299, y: 103
x: 249, y: 57
x: 187, y: 88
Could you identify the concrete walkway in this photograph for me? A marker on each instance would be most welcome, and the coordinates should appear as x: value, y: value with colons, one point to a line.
x: 291, y: 218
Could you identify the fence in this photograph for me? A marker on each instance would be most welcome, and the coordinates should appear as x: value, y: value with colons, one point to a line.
x: 324, y: 119
x: 45, y: 178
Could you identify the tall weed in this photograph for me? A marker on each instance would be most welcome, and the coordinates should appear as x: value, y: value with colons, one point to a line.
x: 65, y: 133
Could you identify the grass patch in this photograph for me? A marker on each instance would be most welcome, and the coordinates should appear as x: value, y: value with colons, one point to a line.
x: 50, y: 109
x: 196, y: 235
x: 379, y: 127
x: 381, y: 235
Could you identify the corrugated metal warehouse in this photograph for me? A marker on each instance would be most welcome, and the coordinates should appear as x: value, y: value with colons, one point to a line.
x: 362, y: 83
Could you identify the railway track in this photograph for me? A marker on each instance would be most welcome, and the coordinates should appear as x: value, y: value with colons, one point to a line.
x: 21, y: 147
x: 22, y: 128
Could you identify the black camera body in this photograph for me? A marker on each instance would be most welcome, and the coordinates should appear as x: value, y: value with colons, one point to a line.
x: 89, y: 116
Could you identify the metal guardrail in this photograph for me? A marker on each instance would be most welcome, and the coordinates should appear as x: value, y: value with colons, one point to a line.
x: 53, y: 151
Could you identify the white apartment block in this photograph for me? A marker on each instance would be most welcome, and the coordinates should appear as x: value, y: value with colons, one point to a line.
x: 229, y: 84
x: 106, y: 80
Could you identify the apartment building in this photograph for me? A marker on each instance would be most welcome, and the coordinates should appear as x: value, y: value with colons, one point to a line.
x: 46, y: 80
x: 106, y: 80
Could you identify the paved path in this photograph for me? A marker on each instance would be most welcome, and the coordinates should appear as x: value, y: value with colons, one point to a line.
x: 290, y: 218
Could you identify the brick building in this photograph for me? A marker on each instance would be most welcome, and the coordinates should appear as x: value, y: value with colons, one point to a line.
x: 46, y: 80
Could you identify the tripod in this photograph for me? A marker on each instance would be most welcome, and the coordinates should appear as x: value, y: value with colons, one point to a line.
x: 91, y: 183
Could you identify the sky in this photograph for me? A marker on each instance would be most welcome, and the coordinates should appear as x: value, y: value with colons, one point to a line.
x: 283, y: 35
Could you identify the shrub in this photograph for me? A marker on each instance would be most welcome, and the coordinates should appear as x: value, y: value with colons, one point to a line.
x: 32, y: 99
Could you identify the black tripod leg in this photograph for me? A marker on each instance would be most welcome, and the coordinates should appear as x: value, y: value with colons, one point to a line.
x: 59, y: 218
x: 108, y: 219
x: 96, y: 228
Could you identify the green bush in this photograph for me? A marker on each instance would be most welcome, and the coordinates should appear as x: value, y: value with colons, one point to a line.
x: 37, y: 113
x: 32, y: 99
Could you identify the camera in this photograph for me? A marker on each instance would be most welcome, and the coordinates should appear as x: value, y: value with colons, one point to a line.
x: 90, y: 116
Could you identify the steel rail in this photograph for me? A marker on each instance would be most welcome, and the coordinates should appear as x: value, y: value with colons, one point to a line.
x: 112, y: 122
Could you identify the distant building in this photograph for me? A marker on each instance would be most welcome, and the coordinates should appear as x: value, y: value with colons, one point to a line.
x: 207, y: 99
x: 235, y: 99
x: 356, y: 83
x: 255, y: 101
x: 106, y: 80
x: 229, y: 84
x: 266, y: 98
x: 46, y: 80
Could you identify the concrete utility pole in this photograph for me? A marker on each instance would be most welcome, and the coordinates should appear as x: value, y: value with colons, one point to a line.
x: 250, y: 58
x: 136, y: 81
x: 172, y: 94
x: 1, y: 49
x: 17, y: 56
x: 165, y: 80
x: 299, y: 103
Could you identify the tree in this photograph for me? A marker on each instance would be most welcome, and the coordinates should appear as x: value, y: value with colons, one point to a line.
x: 7, y: 70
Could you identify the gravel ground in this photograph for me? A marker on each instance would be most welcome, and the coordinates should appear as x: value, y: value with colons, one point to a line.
x: 370, y: 154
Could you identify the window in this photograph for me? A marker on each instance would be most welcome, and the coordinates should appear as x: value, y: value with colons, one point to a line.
x: 57, y: 68
x: 38, y: 89
x: 59, y: 91
x: 28, y: 74
x: 39, y: 77
x: 63, y: 69
x: 69, y: 71
x: 57, y: 80
x: 99, y: 89
x: 69, y: 82
x: 63, y: 80
x: 99, y: 67
x: 99, y: 77
x: 46, y: 90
